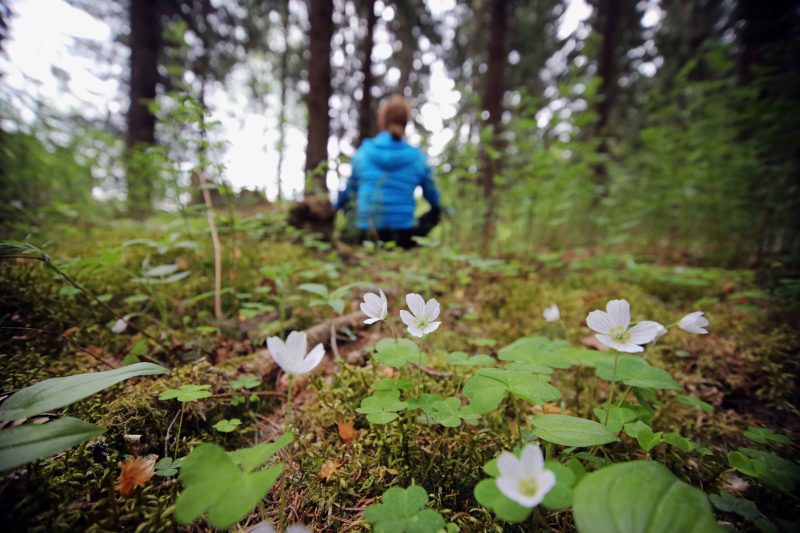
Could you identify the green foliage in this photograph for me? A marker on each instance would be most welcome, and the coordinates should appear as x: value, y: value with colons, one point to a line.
x: 26, y: 443
x: 226, y: 426
x: 403, y: 511
x: 772, y: 470
x: 636, y: 372
x: 398, y: 353
x: 167, y: 467
x: 186, y: 393
x: 489, y: 386
x: 640, y: 497
x: 55, y: 393
x: 382, y: 407
x: 765, y: 436
x: 247, y: 381
x: 571, y: 431
x: 226, y: 486
x: 462, y: 359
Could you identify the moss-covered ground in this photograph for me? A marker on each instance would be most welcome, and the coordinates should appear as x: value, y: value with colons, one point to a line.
x: 746, y: 368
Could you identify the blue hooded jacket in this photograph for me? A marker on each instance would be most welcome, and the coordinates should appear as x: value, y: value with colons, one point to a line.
x: 385, y: 173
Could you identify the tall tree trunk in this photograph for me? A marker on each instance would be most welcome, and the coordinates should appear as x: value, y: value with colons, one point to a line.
x: 366, y: 114
x: 608, y: 13
x: 145, y: 47
x: 319, y: 91
x: 284, y: 79
x: 493, y: 105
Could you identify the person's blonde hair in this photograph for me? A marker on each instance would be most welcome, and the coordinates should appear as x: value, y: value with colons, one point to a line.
x: 393, y: 116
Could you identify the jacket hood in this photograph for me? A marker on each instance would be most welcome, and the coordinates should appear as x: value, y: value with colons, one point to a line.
x: 388, y: 154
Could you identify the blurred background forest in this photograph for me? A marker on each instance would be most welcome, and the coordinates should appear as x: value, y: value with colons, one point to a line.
x: 668, y: 127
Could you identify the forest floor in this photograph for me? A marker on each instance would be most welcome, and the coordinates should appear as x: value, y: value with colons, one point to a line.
x: 744, y: 372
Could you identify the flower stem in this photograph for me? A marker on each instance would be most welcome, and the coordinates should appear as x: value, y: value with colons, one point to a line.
x: 289, y: 403
x: 611, y: 389
x: 517, y: 418
x: 178, y: 436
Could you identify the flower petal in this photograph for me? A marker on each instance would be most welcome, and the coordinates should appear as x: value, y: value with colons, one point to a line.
x: 414, y: 330
x: 619, y: 312
x: 277, y: 349
x: 372, y: 300
x: 510, y: 489
x: 644, y: 332
x: 407, y: 318
x: 384, y: 305
x: 509, y: 466
x: 311, y: 360
x: 432, y: 309
x: 372, y: 320
x: 532, y: 460
x: 415, y: 303
x: 430, y: 327
x: 296, y: 344
x: 599, y: 321
x: 545, y: 481
x: 618, y: 346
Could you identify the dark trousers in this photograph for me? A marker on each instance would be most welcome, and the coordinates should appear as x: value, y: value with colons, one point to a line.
x: 405, y: 237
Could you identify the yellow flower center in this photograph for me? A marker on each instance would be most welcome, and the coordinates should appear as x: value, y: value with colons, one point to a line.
x: 528, y: 487
x: 620, y: 334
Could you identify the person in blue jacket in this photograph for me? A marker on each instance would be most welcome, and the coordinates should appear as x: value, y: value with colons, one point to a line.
x: 386, y: 172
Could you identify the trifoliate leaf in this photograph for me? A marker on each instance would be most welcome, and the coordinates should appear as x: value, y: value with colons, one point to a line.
x: 391, y: 384
x: 765, y: 435
x: 247, y: 381
x: 636, y: 372
x: 462, y: 359
x: 403, y: 510
x: 398, y: 353
x: 538, y: 350
x: 382, y: 406
x: 227, y: 426
x: 186, y: 393
x: 618, y: 417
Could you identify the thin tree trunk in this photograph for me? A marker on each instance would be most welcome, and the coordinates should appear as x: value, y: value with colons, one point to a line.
x: 366, y: 115
x: 284, y: 74
x: 608, y: 13
x: 319, y: 91
x: 493, y: 105
x: 145, y: 47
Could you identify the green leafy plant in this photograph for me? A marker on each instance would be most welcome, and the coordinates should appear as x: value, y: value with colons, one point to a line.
x: 167, y: 466
x: 640, y: 496
x: 226, y: 486
x: 227, y: 426
x: 403, y: 511
x: 186, y: 393
x: 23, y: 444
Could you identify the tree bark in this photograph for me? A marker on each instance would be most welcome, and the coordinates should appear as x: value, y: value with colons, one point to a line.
x: 145, y: 47
x: 493, y: 105
x: 366, y: 113
x: 284, y: 79
x: 319, y: 91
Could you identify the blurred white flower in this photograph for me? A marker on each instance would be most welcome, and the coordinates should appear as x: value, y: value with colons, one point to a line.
x: 661, y: 331
x: 612, y: 329
x: 524, y: 480
x: 694, y: 323
x: 551, y: 313
x: 291, y: 356
x: 266, y: 527
x: 119, y: 326
x: 375, y: 307
x: 421, y: 320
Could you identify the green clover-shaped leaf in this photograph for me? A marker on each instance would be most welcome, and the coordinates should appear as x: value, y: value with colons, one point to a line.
x: 382, y: 406
x: 226, y: 426
x: 462, y: 359
x: 487, y: 388
x: 167, y: 467
x: 398, y: 353
x: 186, y: 393
x: 247, y: 381
x: 571, y: 431
x: 538, y: 350
x: 392, y: 384
x: 449, y: 412
x: 636, y: 372
x: 618, y: 417
x: 765, y: 436
x: 403, y: 511
x: 644, y: 435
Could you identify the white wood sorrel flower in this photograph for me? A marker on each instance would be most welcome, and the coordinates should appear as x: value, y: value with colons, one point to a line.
x: 422, y: 318
x: 375, y: 307
x: 694, y: 323
x: 612, y: 328
x: 291, y: 356
x: 524, y: 480
x: 551, y: 313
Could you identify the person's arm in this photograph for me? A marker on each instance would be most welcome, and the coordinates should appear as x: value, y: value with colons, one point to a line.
x: 429, y: 190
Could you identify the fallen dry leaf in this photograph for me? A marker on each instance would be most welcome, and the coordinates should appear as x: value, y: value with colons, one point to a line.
x: 346, y: 430
x: 135, y: 472
x: 329, y: 470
